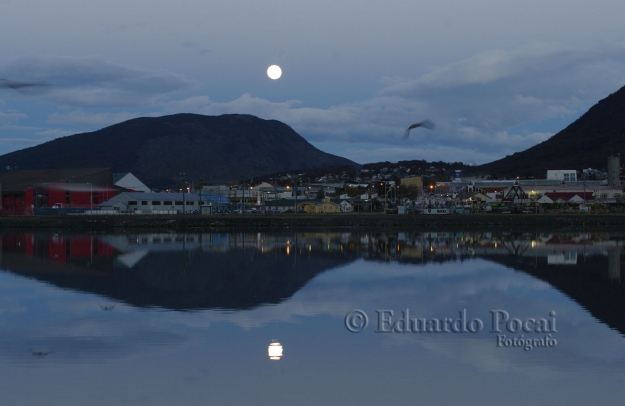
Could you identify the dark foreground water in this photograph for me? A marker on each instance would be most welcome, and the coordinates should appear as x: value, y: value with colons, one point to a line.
x: 351, y: 318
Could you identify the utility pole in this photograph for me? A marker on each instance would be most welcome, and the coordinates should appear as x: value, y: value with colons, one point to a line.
x: 385, y: 199
x: 585, y: 207
x: 184, y: 204
x: 201, y: 187
x: 295, y: 189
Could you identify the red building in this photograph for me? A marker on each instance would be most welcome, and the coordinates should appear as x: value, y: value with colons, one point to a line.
x: 24, y: 191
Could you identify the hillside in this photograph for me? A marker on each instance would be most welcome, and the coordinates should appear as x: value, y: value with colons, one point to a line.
x: 225, y: 148
x: 587, y: 142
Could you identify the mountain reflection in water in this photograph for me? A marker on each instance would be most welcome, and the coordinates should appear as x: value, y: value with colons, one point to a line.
x: 195, y: 317
x: 175, y: 271
x: 245, y: 270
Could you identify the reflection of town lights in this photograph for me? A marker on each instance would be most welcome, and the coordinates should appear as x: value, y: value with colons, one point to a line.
x: 533, y: 243
x: 288, y: 250
x: 275, y: 351
x: 495, y: 245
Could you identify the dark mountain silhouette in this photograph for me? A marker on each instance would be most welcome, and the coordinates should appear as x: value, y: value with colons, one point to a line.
x: 225, y: 148
x: 586, y: 143
x: 235, y: 279
x: 587, y: 283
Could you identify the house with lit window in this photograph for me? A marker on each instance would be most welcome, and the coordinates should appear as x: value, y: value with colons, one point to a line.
x: 327, y: 206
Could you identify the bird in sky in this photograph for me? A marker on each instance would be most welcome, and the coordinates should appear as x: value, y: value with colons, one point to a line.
x: 40, y: 353
x: 425, y: 123
x: 11, y: 84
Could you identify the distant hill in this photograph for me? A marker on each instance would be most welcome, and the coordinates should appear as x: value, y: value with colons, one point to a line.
x: 587, y: 142
x: 225, y: 148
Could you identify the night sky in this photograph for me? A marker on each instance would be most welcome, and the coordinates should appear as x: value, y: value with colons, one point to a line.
x: 496, y: 77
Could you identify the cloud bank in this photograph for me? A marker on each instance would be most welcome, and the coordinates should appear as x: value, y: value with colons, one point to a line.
x: 485, y: 107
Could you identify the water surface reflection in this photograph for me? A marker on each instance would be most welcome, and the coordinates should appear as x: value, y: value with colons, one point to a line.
x: 191, y: 318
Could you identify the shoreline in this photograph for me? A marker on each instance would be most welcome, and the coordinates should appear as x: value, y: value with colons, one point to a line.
x: 594, y: 222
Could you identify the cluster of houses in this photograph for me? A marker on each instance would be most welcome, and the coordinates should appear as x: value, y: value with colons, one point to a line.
x: 560, y: 187
x: 100, y: 191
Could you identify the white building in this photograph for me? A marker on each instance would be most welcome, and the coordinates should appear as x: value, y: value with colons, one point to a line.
x: 346, y: 207
x: 130, y: 182
x: 152, y: 203
x: 566, y: 175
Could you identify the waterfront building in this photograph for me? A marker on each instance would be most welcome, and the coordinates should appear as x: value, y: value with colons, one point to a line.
x: 151, y: 203
x: 25, y: 192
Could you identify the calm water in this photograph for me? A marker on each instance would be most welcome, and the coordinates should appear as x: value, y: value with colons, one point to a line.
x: 164, y: 319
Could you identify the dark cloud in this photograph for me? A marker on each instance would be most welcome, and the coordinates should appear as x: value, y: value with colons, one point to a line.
x: 95, y: 82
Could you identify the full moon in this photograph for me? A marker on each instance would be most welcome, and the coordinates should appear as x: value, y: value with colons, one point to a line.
x: 274, y: 72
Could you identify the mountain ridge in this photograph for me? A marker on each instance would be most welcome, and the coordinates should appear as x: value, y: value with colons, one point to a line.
x: 166, y: 151
x: 162, y: 150
x: 588, y: 141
